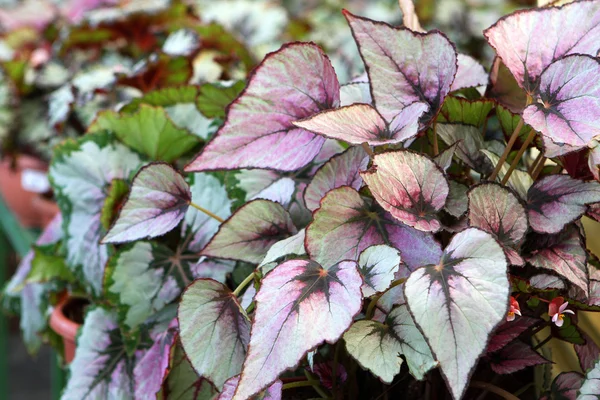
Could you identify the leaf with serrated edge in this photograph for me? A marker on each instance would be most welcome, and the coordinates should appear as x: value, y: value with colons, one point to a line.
x: 80, y: 173
x: 409, y: 186
x: 469, y: 290
x: 470, y: 143
x: 458, y: 110
x: 556, y: 200
x: 498, y: 211
x: 587, y: 353
x: 341, y: 170
x: 361, y: 123
x: 299, y: 306
x: 345, y: 225
x: 566, y: 385
x: 377, y: 346
x: 378, y: 265
x: 563, y: 253
x: 249, y: 233
x: 515, y: 357
x: 404, y: 67
x: 100, y: 367
x: 509, y: 331
x: 214, y: 330
x: 590, y: 388
x: 567, y: 101
x: 273, y: 392
x: 527, y: 53
x: 290, y: 84
x: 444, y: 159
x: 157, y: 202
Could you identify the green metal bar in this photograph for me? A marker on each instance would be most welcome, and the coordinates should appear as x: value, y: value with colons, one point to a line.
x: 58, y: 377
x: 20, y: 238
x: 4, y: 253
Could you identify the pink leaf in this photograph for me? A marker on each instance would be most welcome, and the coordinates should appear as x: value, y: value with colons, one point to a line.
x: 509, y: 331
x: 469, y: 74
x: 514, y: 357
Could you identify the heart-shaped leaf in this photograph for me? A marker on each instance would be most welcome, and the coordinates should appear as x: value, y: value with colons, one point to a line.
x: 470, y: 143
x: 515, y: 357
x: 469, y: 73
x: 341, y: 170
x: 556, y: 200
x: 565, y: 386
x: 509, y: 331
x: 378, y: 266
x: 80, y: 172
x: 498, y: 211
x: 141, y: 279
x: 444, y: 159
x: 294, y: 245
x: 152, y: 368
x: 361, y: 123
x: 377, y: 346
x: 587, y: 353
x: 567, y: 101
x: 290, y: 84
x: 273, y: 392
x: 214, y: 330
x: 404, y: 67
x: 182, y: 381
x: 100, y: 367
x: 299, y: 306
x: 546, y: 282
x: 157, y: 202
x: 529, y: 41
x: 149, y: 131
x: 213, y: 98
x: 345, y: 225
x: 409, y: 186
x: 590, y: 388
x: 562, y: 253
x: 249, y: 233
x: 468, y: 288
x: 457, y: 201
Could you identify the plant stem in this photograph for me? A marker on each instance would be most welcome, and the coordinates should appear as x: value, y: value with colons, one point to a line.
x: 538, y: 169
x: 494, y: 389
x: 242, y: 285
x: 368, y: 150
x: 205, y: 211
x: 509, y: 145
x: 298, y: 384
x: 375, y: 299
x: 535, y: 163
x: 543, y: 342
x: 316, y: 385
x: 512, y: 167
x: 436, y: 148
x: 336, y: 356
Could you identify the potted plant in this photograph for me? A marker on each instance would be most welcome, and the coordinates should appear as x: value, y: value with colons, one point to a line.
x: 415, y: 232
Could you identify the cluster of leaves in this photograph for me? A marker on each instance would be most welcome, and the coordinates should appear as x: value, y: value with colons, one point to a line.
x: 421, y: 222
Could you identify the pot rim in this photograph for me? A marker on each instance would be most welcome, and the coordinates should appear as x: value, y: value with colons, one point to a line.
x: 60, y: 323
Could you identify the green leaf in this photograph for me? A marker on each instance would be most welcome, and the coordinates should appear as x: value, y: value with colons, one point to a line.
x: 214, y: 98
x: 462, y: 111
x: 149, y: 131
x: 164, y: 98
x: 45, y: 267
x: 117, y: 193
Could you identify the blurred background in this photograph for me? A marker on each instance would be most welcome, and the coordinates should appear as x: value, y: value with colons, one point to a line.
x: 61, y: 62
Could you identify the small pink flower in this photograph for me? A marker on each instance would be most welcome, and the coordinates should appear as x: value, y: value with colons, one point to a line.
x: 513, y: 310
x: 557, y: 310
x: 39, y: 57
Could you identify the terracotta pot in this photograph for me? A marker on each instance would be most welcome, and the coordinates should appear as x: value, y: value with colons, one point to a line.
x: 65, y: 327
x: 30, y: 208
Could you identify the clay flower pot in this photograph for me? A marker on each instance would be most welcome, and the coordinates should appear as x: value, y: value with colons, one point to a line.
x: 31, y: 209
x: 64, y: 326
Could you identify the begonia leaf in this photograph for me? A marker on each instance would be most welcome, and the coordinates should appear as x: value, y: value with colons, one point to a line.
x: 213, y: 98
x: 273, y: 392
x: 157, y: 202
x: 562, y: 253
x: 567, y: 100
x: 566, y: 385
x: 377, y: 346
x: 509, y: 331
x: 470, y: 142
x: 346, y: 224
x: 499, y: 211
x: 590, y: 387
x: 80, y: 173
x: 158, y: 72
x: 361, y: 123
x: 404, y: 67
x: 101, y: 369
x: 249, y: 233
x: 294, y: 245
x: 410, y: 186
x: 469, y: 73
x: 182, y: 42
x: 299, y: 306
x: 457, y: 201
x: 594, y: 159
x: 509, y: 122
x: 149, y: 131
x: 214, y: 330
x: 378, y: 266
x: 444, y: 159
x: 355, y: 92
x: 515, y: 357
x: 469, y: 290
x: 458, y: 110
x: 587, y: 353
x: 281, y: 191
x: 526, y: 48
x: 182, y: 382
x: 341, y: 170
x: 556, y: 200
x: 141, y: 279
x: 546, y: 282
x: 505, y: 89
x: 290, y: 84
x: 519, y: 181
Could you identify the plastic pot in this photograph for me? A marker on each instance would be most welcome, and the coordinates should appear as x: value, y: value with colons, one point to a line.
x: 65, y: 327
x: 30, y: 208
